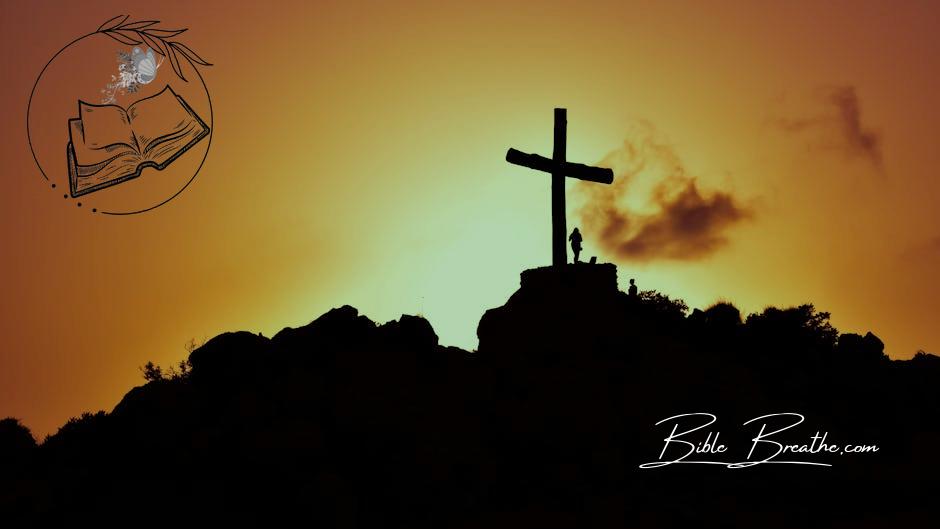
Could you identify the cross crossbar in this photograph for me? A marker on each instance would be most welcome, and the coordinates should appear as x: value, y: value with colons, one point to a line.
x: 580, y: 171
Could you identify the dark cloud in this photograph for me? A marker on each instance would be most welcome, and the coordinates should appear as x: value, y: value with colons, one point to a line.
x: 838, y: 124
x: 679, y: 220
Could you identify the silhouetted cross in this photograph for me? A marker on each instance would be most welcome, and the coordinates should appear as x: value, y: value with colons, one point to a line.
x: 560, y: 168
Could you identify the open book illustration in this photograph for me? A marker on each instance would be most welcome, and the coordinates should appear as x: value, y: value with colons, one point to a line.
x: 109, y: 145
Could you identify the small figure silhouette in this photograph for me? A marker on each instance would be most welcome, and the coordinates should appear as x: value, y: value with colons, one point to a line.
x: 632, y: 290
x: 575, y: 239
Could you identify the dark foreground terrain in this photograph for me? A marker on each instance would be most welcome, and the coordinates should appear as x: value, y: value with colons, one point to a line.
x: 346, y: 423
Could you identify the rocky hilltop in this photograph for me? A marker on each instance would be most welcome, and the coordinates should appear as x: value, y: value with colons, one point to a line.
x: 348, y: 423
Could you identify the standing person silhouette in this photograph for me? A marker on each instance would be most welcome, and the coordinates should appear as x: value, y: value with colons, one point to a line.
x: 575, y: 239
x: 632, y: 291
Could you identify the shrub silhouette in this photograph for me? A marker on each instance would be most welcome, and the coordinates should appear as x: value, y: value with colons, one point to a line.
x: 661, y: 304
x: 17, y: 446
x: 152, y: 372
x: 14, y: 437
x: 723, y: 315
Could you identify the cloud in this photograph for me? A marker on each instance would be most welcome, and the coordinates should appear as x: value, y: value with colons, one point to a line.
x: 837, y: 124
x: 678, y: 220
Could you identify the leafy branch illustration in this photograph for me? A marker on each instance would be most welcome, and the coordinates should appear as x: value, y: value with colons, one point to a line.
x: 146, y: 32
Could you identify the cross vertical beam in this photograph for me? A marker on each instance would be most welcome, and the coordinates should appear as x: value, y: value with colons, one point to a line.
x: 560, y: 169
x: 559, y: 227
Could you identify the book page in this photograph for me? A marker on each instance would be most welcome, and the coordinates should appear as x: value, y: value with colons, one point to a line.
x: 84, y: 179
x: 121, y: 166
x: 104, y: 126
x: 86, y: 156
x: 166, y: 148
x: 157, y: 117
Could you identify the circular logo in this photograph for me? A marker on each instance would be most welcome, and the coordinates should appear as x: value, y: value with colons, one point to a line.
x: 120, y: 120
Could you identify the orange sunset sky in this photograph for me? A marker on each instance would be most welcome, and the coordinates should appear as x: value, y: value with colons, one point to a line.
x: 357, y: 157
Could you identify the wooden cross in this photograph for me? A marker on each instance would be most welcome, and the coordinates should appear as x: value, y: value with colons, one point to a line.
x: 560, y: 168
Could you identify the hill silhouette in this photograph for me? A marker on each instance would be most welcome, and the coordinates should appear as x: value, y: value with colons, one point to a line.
x: 348, y: 423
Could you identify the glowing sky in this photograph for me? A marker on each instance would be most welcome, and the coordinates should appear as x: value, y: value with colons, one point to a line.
x: 357, y: 158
